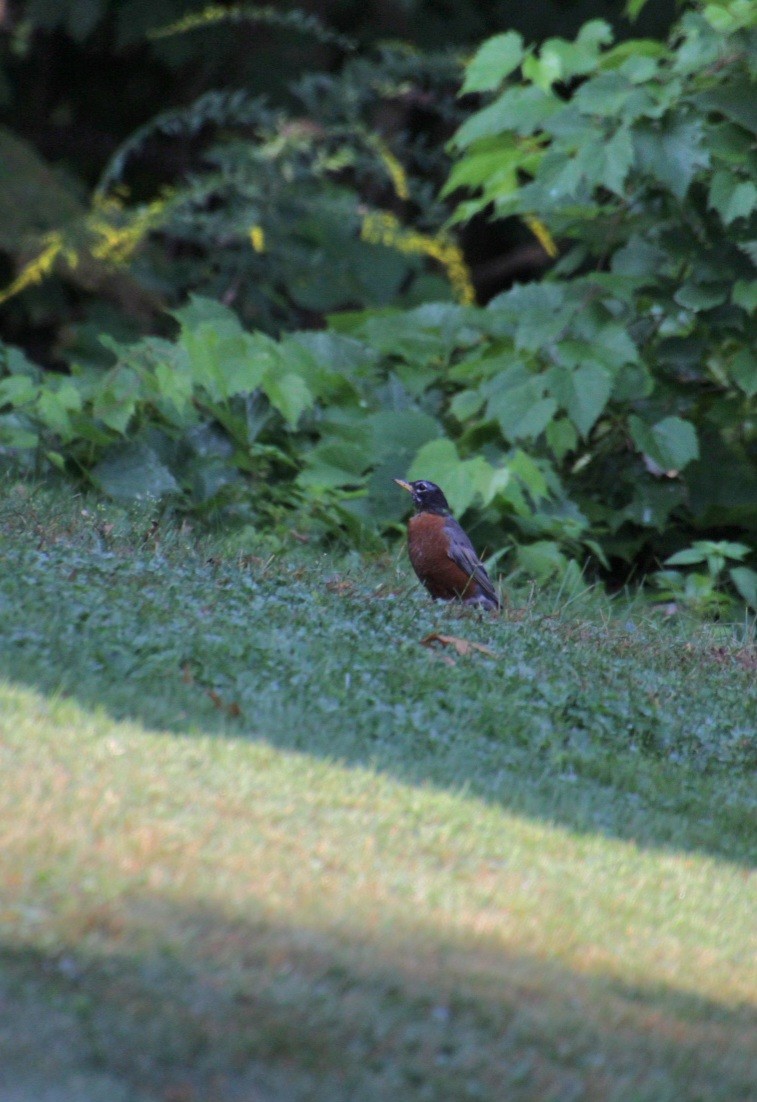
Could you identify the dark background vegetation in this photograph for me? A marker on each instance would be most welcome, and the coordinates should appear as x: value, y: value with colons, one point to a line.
x: 79, y: 77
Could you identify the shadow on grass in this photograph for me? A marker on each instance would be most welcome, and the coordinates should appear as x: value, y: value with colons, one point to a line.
x: 154, y: 1001
x: 183, y: 644
x: 611, y: 793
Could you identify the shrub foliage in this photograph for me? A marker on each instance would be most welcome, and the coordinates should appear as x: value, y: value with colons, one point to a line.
x: 606, y: 412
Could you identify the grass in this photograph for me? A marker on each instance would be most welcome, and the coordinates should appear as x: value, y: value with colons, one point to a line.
x: 258, y: 842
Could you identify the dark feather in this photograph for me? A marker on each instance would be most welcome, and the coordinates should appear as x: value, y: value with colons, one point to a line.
x: 463, y: 554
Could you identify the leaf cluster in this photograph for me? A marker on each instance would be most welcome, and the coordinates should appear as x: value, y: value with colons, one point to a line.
x: 635, y: 358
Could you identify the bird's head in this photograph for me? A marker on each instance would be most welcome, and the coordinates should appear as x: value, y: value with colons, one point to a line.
x: 427, y: 497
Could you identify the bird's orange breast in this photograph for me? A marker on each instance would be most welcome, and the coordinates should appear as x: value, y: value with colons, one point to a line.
x: 428, y: 547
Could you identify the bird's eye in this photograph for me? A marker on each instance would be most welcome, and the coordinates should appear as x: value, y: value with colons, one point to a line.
x: 421, y: 487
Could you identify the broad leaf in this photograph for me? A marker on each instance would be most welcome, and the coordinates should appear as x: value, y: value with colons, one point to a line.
x: 671, y: 443
x: 745, y: 581
x: 582, y: 393
x: 494, y: 61
x: 289, y: 394
x: 132, y: 472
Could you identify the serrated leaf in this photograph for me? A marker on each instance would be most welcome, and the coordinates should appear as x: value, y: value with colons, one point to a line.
x: 516, y: 401
x: 687, y: 557
x: 544, y: 70
x: 671, y: 443
x: 672, y: 153
x: 730, y: 197
x: 521, y: 110
x: 604, y: 95
x: 289, y: 394
x: 116, y: 399
x: 582, y: 393
x: 492, y: 163
x: 541, y: 311
x: 618, y: 158
x: 493, y: 61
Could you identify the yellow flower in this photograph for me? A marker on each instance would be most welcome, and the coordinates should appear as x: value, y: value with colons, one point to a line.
x: 382, y: 228
x: 41, y: 267
x: 542, y: 234
x: 257, y: 239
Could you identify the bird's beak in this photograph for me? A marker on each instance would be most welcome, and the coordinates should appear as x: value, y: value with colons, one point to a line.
x: 404, y: 485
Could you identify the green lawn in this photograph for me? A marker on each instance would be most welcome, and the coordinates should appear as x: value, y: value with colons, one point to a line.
x: 259, y: 844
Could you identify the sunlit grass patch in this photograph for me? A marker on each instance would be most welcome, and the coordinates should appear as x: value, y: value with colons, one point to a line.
x: 257, y: 838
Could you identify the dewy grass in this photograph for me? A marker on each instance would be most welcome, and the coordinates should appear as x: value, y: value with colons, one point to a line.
x: 258, y: 841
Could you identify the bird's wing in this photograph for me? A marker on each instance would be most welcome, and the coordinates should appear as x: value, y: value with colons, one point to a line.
x: 463, y: 553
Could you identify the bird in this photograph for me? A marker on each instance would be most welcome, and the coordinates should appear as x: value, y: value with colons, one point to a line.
x: 441, y: 553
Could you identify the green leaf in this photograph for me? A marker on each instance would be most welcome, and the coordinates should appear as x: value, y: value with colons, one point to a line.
x: 15, y: 433
x: 492, y: 162
x: 673, y: 153
x: 540, y: 311
x: 17, y: 390
x: 466, y: 404
x: 634, y: 8
x: 16, y: 362
x: 671, y: 443
x: 745, y: 581
x: 545, y: 70
x: 618, y: 154
x: 604, y: 95
x: 561, y: 437
x: 516, y: 401
x: 132, y: 472
x: 735, y: 100
x: 174, y: 385
x: 742, y: 368
x: 744, y: 294
x: 560, y: 60
x: 542, y: 560
x: 528, y: 471
x: 54, y: 412
x: 332, y: 464
x: 289, y: 394
x: 582, y: 393
x: 632, y: 382
x: 701, y: 296
x: 522, y: 110
x: 401, y: 335
x: 492, y: 62
x: 687, y: 557
x: 730, y: 197
x: 395, y: 433
x: 116, y: 400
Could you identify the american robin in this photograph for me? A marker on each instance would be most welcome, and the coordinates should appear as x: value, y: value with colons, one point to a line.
x: 440, y: 552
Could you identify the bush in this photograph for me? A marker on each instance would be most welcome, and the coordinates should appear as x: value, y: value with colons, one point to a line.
x: 631, y: 369
x: 605, y: 414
